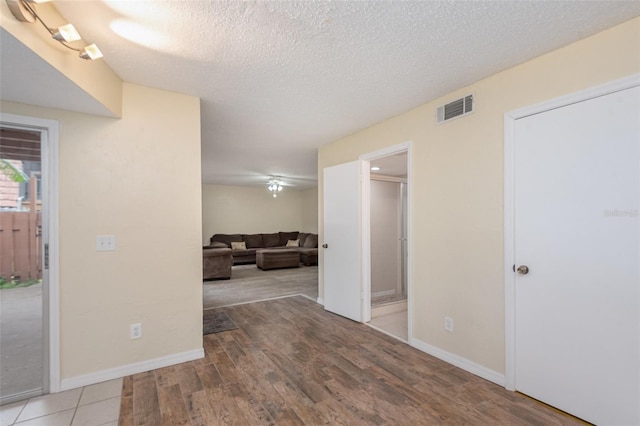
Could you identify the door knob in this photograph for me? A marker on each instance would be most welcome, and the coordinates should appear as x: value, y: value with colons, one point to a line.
x: 523, y: 269
x: 325, y: 245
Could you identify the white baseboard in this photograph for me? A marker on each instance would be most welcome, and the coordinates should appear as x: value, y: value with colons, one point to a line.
x: 320, y: 301
x: 383, y: 293
x: 21, y: 396
x: 127, y: 370
x: 460, y: 362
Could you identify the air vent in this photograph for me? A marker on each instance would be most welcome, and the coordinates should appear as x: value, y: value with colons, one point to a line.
x: 454, y: 109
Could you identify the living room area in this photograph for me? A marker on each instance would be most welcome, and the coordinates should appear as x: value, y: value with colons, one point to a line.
x: 261, y: 267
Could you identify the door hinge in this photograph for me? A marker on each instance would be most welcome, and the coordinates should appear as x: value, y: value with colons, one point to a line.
x: 46, y: 256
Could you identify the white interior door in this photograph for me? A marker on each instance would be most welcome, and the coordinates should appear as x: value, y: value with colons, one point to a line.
x: 577, y: 229
x: 346, y: 279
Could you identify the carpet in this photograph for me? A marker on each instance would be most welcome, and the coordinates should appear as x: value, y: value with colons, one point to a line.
x: 216, y: 322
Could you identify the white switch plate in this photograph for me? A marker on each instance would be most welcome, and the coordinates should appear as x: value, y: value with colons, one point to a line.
x: 105, y: 242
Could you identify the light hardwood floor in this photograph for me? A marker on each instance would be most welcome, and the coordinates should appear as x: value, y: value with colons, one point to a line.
x: 249, y: 284
x: 291, y: 362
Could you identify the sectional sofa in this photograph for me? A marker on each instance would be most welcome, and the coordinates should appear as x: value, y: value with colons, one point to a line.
x: 243, y: 246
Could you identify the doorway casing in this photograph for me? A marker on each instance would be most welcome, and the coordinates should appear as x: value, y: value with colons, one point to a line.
x: 385, y: 152
x: 51, y: 291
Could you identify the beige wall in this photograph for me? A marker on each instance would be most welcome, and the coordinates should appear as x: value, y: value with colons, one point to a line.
x: 252, y: 210
x: 457, y: 181
x: 137, y: 178
x: 310, y: 210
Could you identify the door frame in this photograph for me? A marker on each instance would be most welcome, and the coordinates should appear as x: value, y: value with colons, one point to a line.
x: 509, y: 201
x: 366, y: 242
x: 49, y: 130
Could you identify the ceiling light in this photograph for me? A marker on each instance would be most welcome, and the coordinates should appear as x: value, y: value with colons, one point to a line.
x: 67, y: 33
x: 25, y: 11
x: 375, y: 168
x: 275, y: 186
x: 91, y: 52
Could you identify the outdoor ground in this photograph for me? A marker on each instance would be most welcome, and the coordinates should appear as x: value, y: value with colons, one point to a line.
x: 20, y: 339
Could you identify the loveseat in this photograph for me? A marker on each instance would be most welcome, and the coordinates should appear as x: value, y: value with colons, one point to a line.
x: 243, y: 246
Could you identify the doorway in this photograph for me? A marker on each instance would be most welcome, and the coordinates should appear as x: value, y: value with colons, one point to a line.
x: 346, y: 241
x: 21, y: 286
x: 28, y: 265
x: 388, y: 221
x: 572, y: 244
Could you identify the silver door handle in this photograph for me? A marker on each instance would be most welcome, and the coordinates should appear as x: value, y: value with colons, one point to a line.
x: 325, y: 245
x: 523, y: 269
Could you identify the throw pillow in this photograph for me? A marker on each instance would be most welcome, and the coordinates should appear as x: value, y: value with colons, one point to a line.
x: 293, y: 243
x: 238, y: 245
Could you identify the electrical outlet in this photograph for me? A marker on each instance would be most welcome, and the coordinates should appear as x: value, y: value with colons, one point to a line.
x: 105, y: 242
x: 448, y: 324
x: 135, y: 331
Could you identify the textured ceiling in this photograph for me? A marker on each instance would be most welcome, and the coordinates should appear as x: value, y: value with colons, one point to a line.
x: 278, y: 79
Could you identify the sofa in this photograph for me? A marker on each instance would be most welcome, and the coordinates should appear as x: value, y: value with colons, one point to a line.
x: 216, y: 263
x: 243, y: 246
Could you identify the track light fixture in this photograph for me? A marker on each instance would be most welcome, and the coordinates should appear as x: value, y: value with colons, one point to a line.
x: 25, y: 11
x: 67, y: 33
x: 91, y: 52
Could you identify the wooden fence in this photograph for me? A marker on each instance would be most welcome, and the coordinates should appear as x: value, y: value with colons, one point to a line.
x: 21, y: 245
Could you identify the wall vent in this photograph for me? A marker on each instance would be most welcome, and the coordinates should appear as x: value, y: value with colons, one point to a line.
x: 454, y: 109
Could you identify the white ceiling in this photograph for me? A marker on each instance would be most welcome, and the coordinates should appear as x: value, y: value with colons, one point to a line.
x: 278, y: 79
x: 26, y: 78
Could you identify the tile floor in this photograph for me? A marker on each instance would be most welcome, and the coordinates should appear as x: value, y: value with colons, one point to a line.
x: 395, y: 324
x: 95, y: 405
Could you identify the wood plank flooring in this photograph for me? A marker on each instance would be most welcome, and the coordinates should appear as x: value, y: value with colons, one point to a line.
x: 291, y: 362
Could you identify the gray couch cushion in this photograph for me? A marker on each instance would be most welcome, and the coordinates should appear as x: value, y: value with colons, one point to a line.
x: 240, y: 253
x: 286, y: 236
x: 271, y: 240
x: 311, y: 241
x: 253, y: 240
x: 226, y: 238
x: 218, y: 245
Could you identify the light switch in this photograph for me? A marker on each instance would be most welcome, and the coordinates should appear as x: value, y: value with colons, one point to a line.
x: 105, y: 242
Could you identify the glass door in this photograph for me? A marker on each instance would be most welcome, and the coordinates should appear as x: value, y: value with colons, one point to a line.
x: 23, y: 366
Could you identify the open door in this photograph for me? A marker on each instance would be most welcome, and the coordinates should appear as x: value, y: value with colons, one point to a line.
x: 346, y: 241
